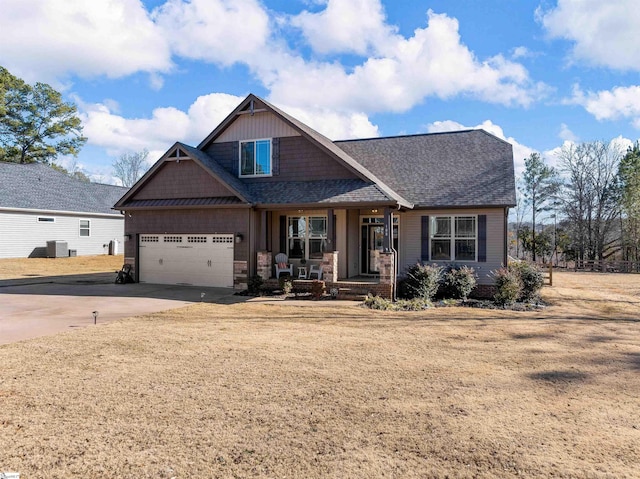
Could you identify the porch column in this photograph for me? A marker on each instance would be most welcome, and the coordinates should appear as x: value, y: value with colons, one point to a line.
x: 262, y: 238
x: 330, y: 267
x: 264, y: 264
x: 331, y: 230
x: 387, y: 274
x: 388, y: 229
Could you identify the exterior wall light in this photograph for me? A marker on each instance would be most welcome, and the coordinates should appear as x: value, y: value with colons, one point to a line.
x: 239, y: 237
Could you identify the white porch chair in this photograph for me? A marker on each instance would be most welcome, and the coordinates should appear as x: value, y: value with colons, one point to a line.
x: 317, y: 270
x: 282, y: 265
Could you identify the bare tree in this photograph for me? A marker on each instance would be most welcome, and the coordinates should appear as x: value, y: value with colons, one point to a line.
x: 130, y: 167
x: 591, y: 197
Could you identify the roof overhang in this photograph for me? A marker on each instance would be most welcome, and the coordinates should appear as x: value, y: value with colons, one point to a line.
x: 60, y: 212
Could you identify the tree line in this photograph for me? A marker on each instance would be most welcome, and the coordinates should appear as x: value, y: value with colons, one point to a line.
x: 593, y: 198
x: 38, y: 126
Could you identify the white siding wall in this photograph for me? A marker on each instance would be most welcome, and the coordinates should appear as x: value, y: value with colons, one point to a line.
x: 260, y: 125
x: 22, y: 235
x: 411, y: 243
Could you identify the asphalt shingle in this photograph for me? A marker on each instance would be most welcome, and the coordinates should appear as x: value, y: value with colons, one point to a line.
x: 463, y: 168
x: 40, y: 187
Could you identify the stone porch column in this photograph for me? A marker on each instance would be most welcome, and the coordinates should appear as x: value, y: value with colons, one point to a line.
x: 387, y: 272
x: 264, y: 264
x: 330, y: 267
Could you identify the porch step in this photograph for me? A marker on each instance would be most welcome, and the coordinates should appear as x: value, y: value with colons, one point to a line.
x: 351, y: 294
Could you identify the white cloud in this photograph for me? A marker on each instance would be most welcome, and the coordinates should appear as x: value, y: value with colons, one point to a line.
x: 219, y: 31
x: 604, y: 33
x: 620, y: 102
x: 520, y: 151
x: 335, y: 125
x: 117, y: 134
x: 46, y: 41
x: 566, y: 134
x: 351, y: 26
x: 433, y: 62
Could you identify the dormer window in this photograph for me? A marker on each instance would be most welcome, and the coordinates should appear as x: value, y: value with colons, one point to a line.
x: 255, y: 158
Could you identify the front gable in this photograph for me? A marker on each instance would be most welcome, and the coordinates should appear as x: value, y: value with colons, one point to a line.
x: 293, y: 156
x: 181, y: 179
x: 184, y: 177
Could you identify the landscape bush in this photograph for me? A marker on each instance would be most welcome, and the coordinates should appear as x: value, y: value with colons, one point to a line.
x: 422, y: 281
x: 508, y: 286
x: 381, y: 304
x: 255, y: 284
x: 531, y: 278
x: 457, y: 283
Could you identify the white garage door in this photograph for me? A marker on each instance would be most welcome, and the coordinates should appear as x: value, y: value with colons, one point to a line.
x: 199, y: 260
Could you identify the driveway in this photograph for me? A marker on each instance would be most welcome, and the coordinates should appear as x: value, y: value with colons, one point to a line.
x: 43, y: 306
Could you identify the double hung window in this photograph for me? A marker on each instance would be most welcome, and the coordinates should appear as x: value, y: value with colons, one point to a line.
x: 85, y: 227
x: 454, y: 238
x: 255, y: 158
x: 306, y: 237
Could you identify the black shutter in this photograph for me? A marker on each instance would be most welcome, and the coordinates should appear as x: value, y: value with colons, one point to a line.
x: 235, y: 155
x: 283, y: 234
x: 275, y: 156
x: 333, y: 236
x: 482, y: 238
x: 424, y: 234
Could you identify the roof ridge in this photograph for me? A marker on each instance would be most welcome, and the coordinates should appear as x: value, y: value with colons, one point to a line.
x: 413, y: 135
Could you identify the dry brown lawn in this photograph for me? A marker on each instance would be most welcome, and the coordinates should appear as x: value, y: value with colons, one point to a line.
x: 14, y: 268
x: 262, y: 390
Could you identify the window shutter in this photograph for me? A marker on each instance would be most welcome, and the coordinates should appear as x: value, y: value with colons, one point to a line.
x: 482, y: 238
x: 424, y: 234
x: 275, y: 156
x: 283, y: 234
x: 235, y: 154
x: 334, y: 245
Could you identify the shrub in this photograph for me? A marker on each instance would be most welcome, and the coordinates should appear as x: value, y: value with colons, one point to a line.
x: 376, y: 302
x: 422, y: 281
x: 254, y: 284
x: 531, y: 278
x: 508, y: 286
x: 381, y: 304
x: 286, y: 285
x: 317, y: 289
x: 457, y: 283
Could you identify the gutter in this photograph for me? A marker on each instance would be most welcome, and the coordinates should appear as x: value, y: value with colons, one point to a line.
x: 61, y: 212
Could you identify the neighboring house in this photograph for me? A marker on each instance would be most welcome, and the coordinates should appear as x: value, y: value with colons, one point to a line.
x: 39, y: 204
x: 263, y: 182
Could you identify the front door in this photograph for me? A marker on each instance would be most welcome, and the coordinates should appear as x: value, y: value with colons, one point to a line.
x: 372, y: 240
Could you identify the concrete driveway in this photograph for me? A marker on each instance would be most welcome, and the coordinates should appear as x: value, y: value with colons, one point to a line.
x: 38, y: 307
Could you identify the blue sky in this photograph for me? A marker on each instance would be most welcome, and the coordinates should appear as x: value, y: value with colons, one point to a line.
x: 148, y: 73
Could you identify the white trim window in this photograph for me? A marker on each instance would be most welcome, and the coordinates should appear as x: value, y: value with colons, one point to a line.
x: 306, y: 237
x: 255, y: 158
x: 85, y: 227
x: 454, y: 238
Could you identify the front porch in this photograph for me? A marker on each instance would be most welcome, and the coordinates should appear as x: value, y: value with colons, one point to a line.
x: 382, y: 285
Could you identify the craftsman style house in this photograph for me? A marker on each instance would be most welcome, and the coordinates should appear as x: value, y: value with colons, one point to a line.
x: 360, y: 211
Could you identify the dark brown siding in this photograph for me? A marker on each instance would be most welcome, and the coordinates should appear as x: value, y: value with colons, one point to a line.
x: 204, y: 221
x: 181, y: 180
x: 299, y: 161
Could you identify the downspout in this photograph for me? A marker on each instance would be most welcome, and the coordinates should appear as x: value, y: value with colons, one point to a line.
x: 506, y: 236
x: 394, y: 287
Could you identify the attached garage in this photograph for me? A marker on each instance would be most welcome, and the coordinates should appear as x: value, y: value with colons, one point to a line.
x: 187, y: 259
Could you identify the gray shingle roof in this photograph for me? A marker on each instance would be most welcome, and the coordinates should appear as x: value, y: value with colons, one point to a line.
x: 463, y: 168
x: 318, y: 191
x: 39, y: 187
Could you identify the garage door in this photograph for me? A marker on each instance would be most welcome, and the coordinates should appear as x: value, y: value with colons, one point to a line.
x: 199, y: 260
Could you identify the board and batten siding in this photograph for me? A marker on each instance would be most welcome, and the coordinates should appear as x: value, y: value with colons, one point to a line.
x: 22, y: 235
x: 256, y: 126
x: 411, y: 240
